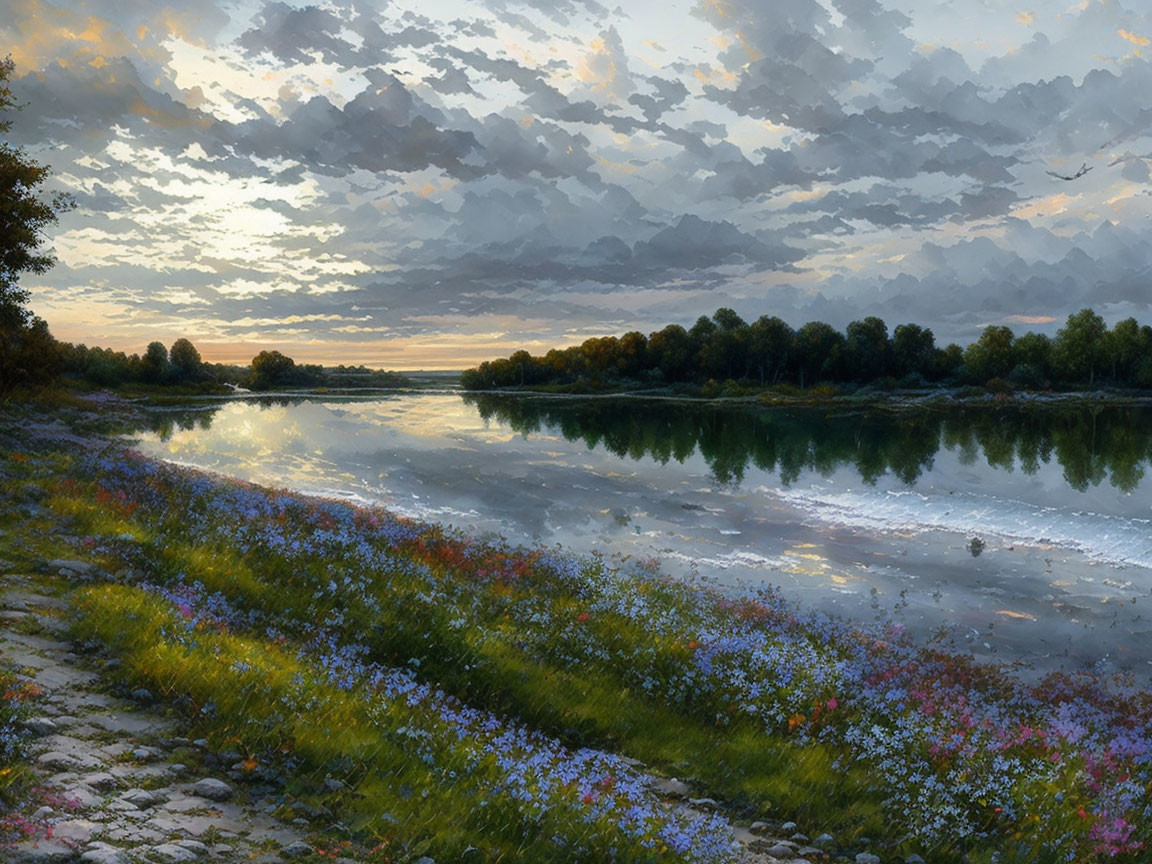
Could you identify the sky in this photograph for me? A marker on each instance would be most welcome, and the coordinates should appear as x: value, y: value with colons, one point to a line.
x: 419, y: 184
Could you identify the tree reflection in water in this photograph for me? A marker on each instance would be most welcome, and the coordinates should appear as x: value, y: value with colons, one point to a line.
x: 1091, y: 444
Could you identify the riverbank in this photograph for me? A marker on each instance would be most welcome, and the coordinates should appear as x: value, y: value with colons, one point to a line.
x: 423, y: 671
x: 863, y: 397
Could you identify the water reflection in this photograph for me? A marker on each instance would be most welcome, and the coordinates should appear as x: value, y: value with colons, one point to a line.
x: 881, y: 501
x: 1091, y: 445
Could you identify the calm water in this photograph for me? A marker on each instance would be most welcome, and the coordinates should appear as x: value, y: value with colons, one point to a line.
x: 851, y: 511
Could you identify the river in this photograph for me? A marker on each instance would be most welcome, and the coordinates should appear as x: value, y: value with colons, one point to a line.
x: 863, y: 513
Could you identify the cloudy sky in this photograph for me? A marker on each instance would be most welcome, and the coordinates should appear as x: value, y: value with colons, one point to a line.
x: 427, y: 183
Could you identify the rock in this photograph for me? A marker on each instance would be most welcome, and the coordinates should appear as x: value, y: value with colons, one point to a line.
x: 173, y: 852
x: 101, y: 781
x: 913, y: 859
x: 42, y: 852
x: 759, y: 827
x: 781, y: 851
x: 80, y: 797
x: 176, y: 768
x: 59, y: 761
x: 703, y: 802
x: 41, y: 726
x: 824, y: 840
x: 297, y: 849
x: 867, y: 858
x: 79, y: 568
x: 424, y: 860
x: 146, y: 754
x: 142, y: 695
x: 102, y: 853
x: 799, y: 838
x: 788, y: 826
x: 77, y: 831
x: 672, y: 786
x: 142, y: 798
x: 212, y: 789
x: 193, y: 846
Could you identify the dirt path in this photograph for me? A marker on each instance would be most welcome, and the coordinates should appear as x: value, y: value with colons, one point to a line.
x: 118, y: 783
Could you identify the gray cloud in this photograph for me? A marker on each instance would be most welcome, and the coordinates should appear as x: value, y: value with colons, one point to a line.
x: 448, y: 169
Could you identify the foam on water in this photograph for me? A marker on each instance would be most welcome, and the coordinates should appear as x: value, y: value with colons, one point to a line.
x: 1117, y: 540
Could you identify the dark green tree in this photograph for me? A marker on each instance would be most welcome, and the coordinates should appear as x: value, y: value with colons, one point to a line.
x: 632, y: 356
x: 24, y: 215
x: 990, y: 356
x: 155, y: 363
x: 769, y: 351
x: 1033, y: 368
x: 819, y: 350
x: 1125, y: 348
x: 1081, y: 347
x: 186, y: 362
x: 913, y: 350
x: 868, y: 348
x: 270, y: 369
x: 670, y: 351
x: 522, y: 363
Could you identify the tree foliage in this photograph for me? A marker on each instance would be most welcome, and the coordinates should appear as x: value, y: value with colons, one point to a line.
x: 768, y: 351
x: 272, y: 369
x: 26, y: 354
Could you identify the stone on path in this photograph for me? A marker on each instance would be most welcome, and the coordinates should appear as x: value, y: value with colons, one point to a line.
x: 173, y: 852
x: 102, y: 853
x: 80, y: 568
x: 212, y: 789
x: 142, y: 798
x: 297, y: 849
x: 41, y: 726
x: 41, y: 852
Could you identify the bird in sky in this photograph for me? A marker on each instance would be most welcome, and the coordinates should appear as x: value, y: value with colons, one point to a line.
x: 1084, y: 169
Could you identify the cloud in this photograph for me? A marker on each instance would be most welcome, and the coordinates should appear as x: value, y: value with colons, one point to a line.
x: 338, y: 171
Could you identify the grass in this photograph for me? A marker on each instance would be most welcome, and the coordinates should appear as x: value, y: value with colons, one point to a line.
x: 433, y: 674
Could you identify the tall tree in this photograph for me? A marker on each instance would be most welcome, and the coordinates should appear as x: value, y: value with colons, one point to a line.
x: 913, y: 350
x: 991, y: 356
x: 186, y: 362
x: 23, y: 217
x: 868, y: 348
x: 819, y: 352
x: 1081, y: 347
x: 769, y: 348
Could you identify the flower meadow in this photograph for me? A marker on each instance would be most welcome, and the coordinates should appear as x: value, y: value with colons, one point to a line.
x: 462, y: 697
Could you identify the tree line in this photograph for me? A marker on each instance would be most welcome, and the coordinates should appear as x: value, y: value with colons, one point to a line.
x: 767, y: 352
x: 182, y: 366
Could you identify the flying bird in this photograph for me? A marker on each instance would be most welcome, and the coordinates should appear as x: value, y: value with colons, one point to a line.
x: 1084, y: 169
